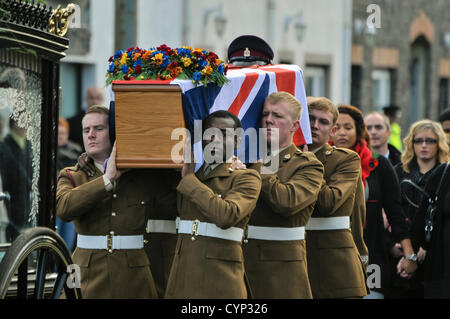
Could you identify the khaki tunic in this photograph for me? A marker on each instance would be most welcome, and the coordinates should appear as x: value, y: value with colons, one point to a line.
x: 278, y: 269
x: 209, y: 267
x: 160, y: 248
x: 334, y: 265
x: 94, y: 211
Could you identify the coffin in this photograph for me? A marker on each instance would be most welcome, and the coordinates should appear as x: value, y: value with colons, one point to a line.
x: 145, y: 117
x: 147, y: 112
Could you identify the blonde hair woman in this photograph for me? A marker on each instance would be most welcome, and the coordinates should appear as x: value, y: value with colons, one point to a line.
x: 427, y: 143
x: 425, y: 148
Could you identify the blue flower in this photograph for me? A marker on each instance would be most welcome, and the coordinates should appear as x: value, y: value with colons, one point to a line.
x: 150, y: 72
x: 202, y: 63
x: 221, y: 68
x: 125, y: 69
x: 166, y: 61
x: 197, y: 76
x: 138, y: 62
x: 111, y: 68
x: 118, y: 54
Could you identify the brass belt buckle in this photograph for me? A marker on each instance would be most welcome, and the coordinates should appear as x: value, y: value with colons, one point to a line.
x: 194, y: 229
x: 109, y: 241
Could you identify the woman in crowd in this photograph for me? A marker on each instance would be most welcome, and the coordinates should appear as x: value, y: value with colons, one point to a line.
x: 435, y: 240
x: 382, y: 191
x: 425, y: 148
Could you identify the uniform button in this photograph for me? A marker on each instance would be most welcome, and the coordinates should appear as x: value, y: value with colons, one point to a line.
x: 114, y: 195
x: 142, y: 203
x: 111, y: 232
x: 110, y: 251
x: 113, y: 214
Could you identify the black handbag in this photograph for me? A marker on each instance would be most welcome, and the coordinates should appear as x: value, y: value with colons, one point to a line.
x: 432, y: 202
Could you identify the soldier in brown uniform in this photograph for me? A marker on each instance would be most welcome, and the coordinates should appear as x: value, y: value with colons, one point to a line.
x: 334, y: 264
x: 214, y: 206
x: 109, y: 214
x: 274, y: 250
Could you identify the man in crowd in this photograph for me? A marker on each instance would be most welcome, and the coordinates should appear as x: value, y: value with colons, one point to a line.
x: 18, y: 171
x: 379, y: 129
x: 109, y: 214
x: 274, y: 250
x: 214, y: 206
x: 94, y: 96
x: 334, y: 265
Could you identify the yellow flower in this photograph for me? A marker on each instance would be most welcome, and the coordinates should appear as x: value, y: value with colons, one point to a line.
x: 186, y: 61
x: 123, y: 59
x: 218, y: 61
x: 158, y: 58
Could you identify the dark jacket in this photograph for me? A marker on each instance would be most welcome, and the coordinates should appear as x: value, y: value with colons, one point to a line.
x: 437, y: 261
x: 384, y: 192
x: 395, y: 156
x: 76, y: 131
x: 19, y: 182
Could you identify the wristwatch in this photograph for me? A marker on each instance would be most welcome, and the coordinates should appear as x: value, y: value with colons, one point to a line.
x: 412, y: 257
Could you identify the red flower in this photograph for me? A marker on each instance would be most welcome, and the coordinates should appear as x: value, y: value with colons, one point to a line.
x: 110, y: 59
x: 138, y: 69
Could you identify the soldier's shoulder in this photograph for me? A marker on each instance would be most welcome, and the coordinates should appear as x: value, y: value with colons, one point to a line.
x: 344, y: 152
x: 72, y: 172
x: 306, y: 156
x: 249, y: 172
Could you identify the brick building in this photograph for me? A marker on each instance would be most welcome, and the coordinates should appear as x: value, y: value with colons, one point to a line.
x: 405, y: 61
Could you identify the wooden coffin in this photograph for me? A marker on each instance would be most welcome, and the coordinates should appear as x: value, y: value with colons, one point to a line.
x: 146, y: 116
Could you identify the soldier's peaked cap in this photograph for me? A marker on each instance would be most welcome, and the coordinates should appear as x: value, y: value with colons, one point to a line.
x: 257, y: 47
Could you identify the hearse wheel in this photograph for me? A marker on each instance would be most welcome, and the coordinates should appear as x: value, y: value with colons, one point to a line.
x: 52, y: 258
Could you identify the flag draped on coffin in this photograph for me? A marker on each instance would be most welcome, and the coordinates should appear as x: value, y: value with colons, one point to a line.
x: 244, y: 96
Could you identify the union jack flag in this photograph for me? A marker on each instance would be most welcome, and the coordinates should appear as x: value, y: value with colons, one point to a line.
x: 244, y: 96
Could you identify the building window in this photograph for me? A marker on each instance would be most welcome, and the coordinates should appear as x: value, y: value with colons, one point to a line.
x: 126, y: 26
x: 443, y: 94
x: 419, y: 85
x: 316, y: 82
x: 356, y: 88
x: 381, y: 89
x: 70, y: 75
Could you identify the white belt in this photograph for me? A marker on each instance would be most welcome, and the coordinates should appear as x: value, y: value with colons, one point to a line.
x: 276, y: 233
x: 161, y: 226
x: 328, y: 223
x: 195, y: 227
x: 110, y: 242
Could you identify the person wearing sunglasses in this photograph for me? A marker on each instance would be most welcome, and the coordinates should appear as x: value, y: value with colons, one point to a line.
x: 425, y: 148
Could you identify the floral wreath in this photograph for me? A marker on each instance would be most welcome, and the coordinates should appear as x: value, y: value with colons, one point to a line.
x: 164, y: 63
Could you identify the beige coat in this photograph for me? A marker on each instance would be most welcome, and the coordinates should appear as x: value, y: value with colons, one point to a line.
x: 278, y: 269
x: 209, y: 267
x: 334, y: 265
x: 95, y: 211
